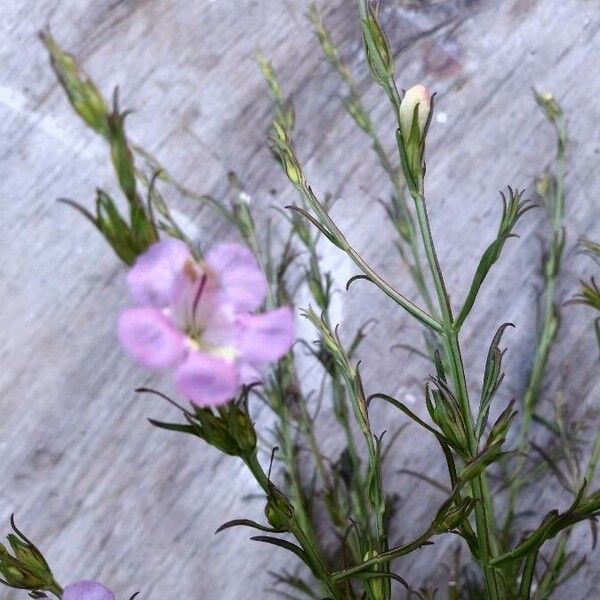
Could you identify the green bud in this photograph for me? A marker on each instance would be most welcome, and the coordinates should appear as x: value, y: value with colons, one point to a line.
x: 243, y: 216
x: 322, y: 33
x: 549, y: 105
x: 288, y: 160
x: 242, y: 430
x: 269, y: 74
x: 377, y: 49
x: 80, y: 89
x: 278, y: 510
x: 452, y: 515
x: 214, y: 429
x: 279, y: 131
x: 545, y: 185
x: 26, y: 568
x: 128, y: 241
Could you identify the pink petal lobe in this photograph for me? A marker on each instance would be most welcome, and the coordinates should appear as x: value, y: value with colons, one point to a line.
x: 87, y: 590
x: 206, y: 380
x: 151, y: 278
x: 239, y: 274
x: 266, y: 337
x: 150, y: 338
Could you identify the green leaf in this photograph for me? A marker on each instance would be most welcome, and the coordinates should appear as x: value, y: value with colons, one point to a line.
x: 174, y: 427
x: 513, y: 208
x: 299, y: 552
x: 439, y: 436
x: 248, y: 523
x: 492, y: 378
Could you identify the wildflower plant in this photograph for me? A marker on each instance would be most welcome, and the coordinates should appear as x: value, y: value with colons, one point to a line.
x: 222, y: 320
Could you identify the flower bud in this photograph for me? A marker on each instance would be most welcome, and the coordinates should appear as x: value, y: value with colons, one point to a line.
x: 452, y: 515
x: 377, y: 48
x: 84, y: 96
x: 415, y: 107
x: 279, y: 511
x: 414, y: 117
x: 242, y: 430
x: 288, y: 160
x: 243, y: 216
x: 269, y: 74
x: 549, y: 105
x: 25, y: 568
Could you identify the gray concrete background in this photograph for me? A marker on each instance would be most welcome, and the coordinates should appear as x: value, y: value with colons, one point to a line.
x: 107, y: 496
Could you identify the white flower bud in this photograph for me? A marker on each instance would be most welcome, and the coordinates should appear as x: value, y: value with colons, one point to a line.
x: 418, y: 95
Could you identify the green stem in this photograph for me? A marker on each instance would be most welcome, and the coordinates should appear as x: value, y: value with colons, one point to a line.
x: 318, y: 564
x: 527, y: 578
x: 298, y: 499
x: 548, y: 583
x: 358, y: 496
x: 339, y: 402
x: 385, y: 557
x: 418, y: 313
x: 484, y: 519
x: 549, y: 325
x: 592, y: 465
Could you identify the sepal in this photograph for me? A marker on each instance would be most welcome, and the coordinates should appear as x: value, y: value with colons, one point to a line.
x: 228, y: 428
x: 25, y: 568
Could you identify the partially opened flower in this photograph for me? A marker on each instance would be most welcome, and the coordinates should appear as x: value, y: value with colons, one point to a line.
x: 197, y: 318
x: 416, y: 103
x: 87, y: 590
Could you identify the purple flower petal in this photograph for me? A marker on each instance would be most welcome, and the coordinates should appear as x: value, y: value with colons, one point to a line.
x: 194, y: 297
x: 207, y: 380
x: 239, y: 274
x: 152, y: 276
x: 267, y: 337
x: 249, y: 374
x: 87, y: 590
x: 150, y: 337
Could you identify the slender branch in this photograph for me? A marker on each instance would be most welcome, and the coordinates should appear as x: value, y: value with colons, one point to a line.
x: 484, y: 518
x: 317, y: 562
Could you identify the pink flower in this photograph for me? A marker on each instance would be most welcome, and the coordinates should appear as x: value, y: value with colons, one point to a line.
x: 197, y: 319
x: 87, y: 590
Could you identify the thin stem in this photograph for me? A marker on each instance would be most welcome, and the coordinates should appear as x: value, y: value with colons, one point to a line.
x: 527, y: 578
x: 548, y: 583
x: 318, y: 564
x: 592, y: 465
x: 418, y: 313
x: 297, y: 492
x: 484, y: 518
x: 359, y: 491
x: 339, y: 398
x: 385, y: 557
x: 550, y: 321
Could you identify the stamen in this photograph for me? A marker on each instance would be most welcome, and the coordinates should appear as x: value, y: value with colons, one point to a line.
x: 201, y: 287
